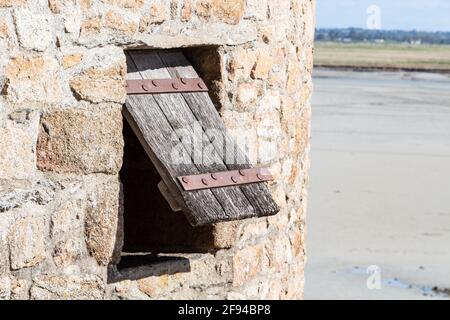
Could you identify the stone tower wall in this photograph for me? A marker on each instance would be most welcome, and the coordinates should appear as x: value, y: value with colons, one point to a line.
x: 62, y: 71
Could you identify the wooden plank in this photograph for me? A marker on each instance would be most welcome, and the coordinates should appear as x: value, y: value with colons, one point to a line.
x: 204, y: 110
x: 154, y: 132
x: 181, y: 119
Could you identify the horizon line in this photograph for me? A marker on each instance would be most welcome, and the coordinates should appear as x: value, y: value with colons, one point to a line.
x: 403, y: 30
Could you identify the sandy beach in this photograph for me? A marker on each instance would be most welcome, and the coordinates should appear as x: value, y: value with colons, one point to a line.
x: 380, y: 186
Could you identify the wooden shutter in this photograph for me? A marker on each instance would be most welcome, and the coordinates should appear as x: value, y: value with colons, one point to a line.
x: 155, y: 118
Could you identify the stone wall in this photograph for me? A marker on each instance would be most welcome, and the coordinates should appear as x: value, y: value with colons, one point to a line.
x: 62, y: 71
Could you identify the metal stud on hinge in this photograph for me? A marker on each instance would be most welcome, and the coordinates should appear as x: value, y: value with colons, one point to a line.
x: 225, y: 178
x: 155, y: 86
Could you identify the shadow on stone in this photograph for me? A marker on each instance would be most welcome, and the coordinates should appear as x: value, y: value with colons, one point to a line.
x: 140, y: 266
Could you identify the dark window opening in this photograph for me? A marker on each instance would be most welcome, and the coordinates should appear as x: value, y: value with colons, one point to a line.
x: 150, y: 225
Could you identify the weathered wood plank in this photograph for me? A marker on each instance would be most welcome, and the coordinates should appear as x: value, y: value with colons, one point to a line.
x: 202, y: 107
x: 156, y: 135
x: 192, y: 136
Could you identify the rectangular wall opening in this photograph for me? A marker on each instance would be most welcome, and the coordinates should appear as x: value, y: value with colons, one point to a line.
x: 150, y: 224
x: 168, y: 97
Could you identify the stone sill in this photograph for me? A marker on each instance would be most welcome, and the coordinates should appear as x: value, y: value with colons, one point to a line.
x: 139, y: 266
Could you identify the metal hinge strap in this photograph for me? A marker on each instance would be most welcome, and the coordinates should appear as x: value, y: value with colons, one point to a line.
x: 178, y: 85
x: 225, y: 178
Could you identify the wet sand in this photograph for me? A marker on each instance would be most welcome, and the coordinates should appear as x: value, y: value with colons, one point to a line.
x: 380, y: 186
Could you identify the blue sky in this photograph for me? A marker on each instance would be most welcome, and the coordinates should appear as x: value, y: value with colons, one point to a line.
x: 426, y: 15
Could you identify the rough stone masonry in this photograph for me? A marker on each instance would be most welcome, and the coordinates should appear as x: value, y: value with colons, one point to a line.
x: 62, y: 80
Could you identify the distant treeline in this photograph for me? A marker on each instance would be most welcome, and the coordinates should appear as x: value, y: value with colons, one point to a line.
x: 366, y: 35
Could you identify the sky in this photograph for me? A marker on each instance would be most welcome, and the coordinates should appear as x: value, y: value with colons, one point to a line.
x: 423, y: 15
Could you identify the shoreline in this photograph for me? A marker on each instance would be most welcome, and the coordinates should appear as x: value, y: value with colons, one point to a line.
x: 379, y: 69
x: 379, y: 186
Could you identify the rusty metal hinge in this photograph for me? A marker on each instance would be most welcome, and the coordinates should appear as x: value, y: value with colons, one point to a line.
x: 225, y: 178
x: 166, y: 86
